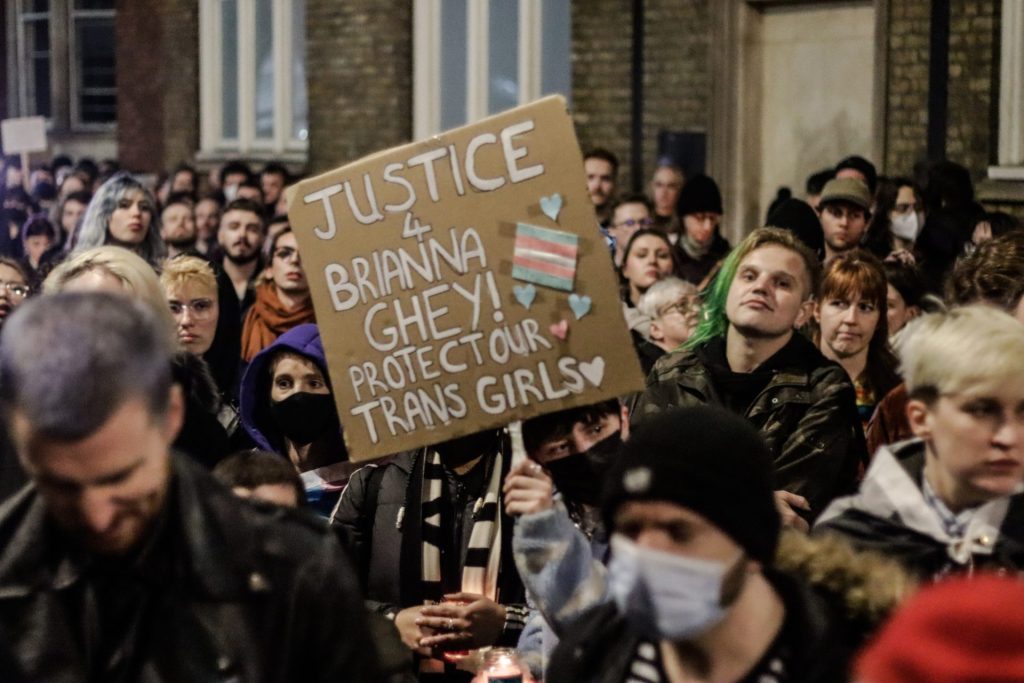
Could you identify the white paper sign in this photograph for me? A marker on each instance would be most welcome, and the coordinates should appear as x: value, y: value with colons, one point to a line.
x: 23, y: 135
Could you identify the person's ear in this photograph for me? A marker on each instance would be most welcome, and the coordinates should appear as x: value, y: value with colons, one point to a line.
x: 657, y: 334
x: 624, y: 421
x: 817, y: 312
x: 174, y: 417
x: 805, y: 313
x: 919, y: 418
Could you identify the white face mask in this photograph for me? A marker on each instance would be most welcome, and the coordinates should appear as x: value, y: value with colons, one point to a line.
x: 664, y: 595
x: 907, y: 226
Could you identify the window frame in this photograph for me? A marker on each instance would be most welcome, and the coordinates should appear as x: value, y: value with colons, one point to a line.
x: 427, y: 37
x: 65, y: 85
x: 75, y: 87
x: 1010, y: 147
x: 213, y: 145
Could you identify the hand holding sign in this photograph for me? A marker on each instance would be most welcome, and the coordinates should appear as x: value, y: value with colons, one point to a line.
x: 440, y: 273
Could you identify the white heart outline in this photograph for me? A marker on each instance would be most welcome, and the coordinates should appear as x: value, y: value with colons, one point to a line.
x: 593, y: 371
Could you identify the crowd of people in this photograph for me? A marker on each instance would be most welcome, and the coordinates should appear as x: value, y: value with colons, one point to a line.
x: 832, y: 421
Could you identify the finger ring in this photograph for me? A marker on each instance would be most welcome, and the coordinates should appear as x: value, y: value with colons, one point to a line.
x: 451, y: 625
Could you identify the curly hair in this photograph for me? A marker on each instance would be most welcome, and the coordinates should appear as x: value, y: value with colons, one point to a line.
x: 994, y: 274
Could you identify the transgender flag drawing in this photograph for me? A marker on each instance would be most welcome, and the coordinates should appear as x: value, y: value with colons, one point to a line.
x: 545, y: 257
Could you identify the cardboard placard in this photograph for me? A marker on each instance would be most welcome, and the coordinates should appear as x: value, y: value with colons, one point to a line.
x: 23, y: 135
x: 461, y: 282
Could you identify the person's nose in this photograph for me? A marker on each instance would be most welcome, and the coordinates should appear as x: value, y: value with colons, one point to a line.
x: 1009, y: 433
x: 850, y: 315
x: 762, y: 283
x: 97, y: 511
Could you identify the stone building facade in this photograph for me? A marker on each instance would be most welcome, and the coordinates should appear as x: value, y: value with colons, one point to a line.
x: 697, y: 75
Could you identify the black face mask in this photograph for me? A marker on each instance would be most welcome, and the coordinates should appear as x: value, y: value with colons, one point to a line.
x: 580, y: 476
x: 303, y: 417
x: 458, y: 452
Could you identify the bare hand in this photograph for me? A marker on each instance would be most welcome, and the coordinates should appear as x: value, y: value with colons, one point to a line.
x: 901, y: 256
x: 528, y: 490
x: 409, y: 629
x: 785, y: 502
x: 465, y: 621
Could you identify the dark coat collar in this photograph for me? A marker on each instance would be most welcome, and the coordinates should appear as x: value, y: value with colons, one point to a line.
x: 218, y: 546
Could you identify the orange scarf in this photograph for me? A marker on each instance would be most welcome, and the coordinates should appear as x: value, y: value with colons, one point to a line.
x: 267, y: 320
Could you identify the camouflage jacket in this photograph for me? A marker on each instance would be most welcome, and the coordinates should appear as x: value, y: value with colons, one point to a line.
x: 807, y: 414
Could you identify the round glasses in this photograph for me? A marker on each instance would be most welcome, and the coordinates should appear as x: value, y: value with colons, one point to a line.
x: 16, y: 289
x: 202, y: 309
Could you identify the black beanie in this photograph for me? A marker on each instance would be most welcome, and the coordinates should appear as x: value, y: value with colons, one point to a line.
x: 699, y: 195
x: 708, y: 460
x: 799, y: 218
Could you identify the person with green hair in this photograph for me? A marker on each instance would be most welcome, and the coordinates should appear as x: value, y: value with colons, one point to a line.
x: 747, y: 356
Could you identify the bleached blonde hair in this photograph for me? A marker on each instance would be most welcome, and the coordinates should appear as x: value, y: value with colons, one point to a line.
x: 182, y: 270
x: 976, y: 347
x: 137, y: 277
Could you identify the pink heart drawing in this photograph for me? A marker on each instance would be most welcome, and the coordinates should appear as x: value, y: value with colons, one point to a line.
x: 560, y: 329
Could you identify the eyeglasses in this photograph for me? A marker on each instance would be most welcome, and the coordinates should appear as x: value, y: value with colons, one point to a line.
x: 16, y: 289
x: 285, y: 253
x: 686, y: 306
x: 635, y: 222
x: 202, y: 309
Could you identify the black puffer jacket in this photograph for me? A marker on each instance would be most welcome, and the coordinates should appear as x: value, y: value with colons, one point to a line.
x: 386, y: 541
x: 245, y: 593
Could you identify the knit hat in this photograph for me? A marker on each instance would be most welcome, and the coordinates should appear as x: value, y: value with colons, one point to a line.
x: 799, y: 218
x: 699, y: 195
x: 708, y: 460
x: 848, y: 190
x: 961, y: 630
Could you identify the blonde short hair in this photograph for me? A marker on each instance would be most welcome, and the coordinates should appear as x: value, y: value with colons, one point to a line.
x: 973, y: 347
x: 663, y: 293
x: 137, y: 277
x: 183, y: 270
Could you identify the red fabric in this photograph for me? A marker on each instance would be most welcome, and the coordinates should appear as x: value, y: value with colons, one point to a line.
x: 964, y: 630
x: 268, y: 319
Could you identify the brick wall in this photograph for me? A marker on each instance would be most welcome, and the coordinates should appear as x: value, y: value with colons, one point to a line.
x: 602, y: 43
x: 140, y: 81
x: 180, y: 62
x: 158, y: 83
x: 359, y: 64
x: 971, y: 133
x: 677, y: 76
x: 907, y: 101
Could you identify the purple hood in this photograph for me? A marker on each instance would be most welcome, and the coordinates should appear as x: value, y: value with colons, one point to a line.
x: 254, y: 398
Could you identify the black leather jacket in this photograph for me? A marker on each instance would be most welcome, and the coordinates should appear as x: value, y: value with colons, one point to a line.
x: 229, y: 591
x: 806, y: 413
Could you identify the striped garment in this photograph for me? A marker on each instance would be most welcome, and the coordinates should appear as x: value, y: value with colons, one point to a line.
x: 483, y: 557
x: 545, y: 257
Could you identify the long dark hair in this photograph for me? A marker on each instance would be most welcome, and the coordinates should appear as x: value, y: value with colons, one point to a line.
x: 643, y: 232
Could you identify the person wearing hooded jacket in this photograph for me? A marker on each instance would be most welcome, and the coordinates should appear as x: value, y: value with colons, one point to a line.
x: 950, y: 500
x: 699, y: 582
x: 287, y: 407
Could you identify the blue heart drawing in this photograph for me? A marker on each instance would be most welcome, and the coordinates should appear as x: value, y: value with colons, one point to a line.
x: 525, y: 294
x: 580, y: 305
x: 551, y: 206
